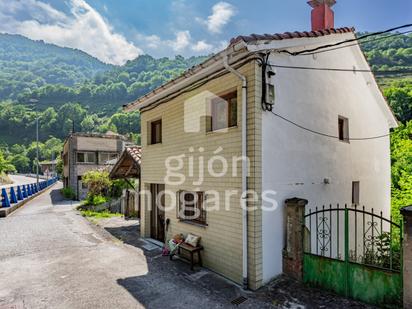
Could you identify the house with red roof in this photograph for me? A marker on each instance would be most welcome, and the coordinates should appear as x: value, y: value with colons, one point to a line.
x: 269, y: 118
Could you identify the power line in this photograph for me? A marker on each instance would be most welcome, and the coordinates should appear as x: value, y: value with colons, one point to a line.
x: 344, y: 42
x: 357, y: 43
x: 319, y: 69
x: 354, y: 70
x: 325, y: 134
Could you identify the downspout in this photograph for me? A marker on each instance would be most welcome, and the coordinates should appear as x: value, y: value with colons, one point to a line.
x: 244, y: 171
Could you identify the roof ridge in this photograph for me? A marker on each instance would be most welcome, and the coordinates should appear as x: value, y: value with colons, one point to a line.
x: 289, y: 35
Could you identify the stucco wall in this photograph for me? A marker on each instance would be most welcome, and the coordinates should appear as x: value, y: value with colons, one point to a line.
x: 295, y: 162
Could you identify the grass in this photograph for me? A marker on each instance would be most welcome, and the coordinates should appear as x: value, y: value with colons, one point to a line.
x: 99, y: 214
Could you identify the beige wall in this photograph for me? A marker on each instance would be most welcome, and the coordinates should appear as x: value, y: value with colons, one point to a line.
x: 222, y: 237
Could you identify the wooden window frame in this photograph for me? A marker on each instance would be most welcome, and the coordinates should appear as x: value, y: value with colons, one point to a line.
x: 153, y: 125
x: 228, y: 97
x: 200, y: 203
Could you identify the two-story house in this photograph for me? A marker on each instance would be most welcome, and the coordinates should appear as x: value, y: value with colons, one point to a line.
x: 271, y: 117
x: 83, y: 152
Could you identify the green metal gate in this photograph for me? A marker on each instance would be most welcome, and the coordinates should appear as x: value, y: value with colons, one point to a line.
x: 354, y: 252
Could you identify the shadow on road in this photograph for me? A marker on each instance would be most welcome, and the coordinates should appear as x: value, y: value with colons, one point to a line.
x: 129, y: 234
x: 56, y: 197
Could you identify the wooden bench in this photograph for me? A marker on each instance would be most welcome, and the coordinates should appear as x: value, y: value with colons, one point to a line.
x: 192, y: 251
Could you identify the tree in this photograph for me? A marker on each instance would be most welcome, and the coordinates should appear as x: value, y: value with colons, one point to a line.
x: 5, y: 165
x: 21, y: 162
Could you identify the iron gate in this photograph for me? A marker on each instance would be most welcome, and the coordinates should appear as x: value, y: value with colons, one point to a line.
x: 354, y: 252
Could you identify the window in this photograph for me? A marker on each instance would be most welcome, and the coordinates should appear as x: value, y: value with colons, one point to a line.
x: 355, y: 192
x: 224, y: 112
x: 86, y: 157
x: 191, y: 207
x: 343, y: 129
x: 156, y: 132
x: 107, y: 156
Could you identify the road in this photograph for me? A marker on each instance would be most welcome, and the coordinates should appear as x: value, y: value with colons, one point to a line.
x: 51, y: 257
x: 19, y: 180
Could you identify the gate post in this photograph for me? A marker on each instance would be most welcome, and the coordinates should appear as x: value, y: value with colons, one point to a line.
x: 293, y: 252
x: 407, y: 256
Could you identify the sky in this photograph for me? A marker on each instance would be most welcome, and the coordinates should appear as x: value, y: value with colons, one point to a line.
x: 115, y: 31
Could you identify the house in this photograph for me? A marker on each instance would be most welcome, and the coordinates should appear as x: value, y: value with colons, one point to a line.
x: 269, y: 118
x: 48, y: 168
x: 83, y: 152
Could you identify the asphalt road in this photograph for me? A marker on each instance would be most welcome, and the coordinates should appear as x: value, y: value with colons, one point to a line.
x: 51, y: 257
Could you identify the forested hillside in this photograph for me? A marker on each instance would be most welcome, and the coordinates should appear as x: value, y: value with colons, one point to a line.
x: 67, y: 87
x: 27, y: 64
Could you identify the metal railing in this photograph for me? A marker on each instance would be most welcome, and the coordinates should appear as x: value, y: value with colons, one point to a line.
x: 15, y: 194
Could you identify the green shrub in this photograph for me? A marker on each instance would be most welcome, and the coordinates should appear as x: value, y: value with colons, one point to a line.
x: 95, y: 200
x: 68, y: 193
x: 98, y: 182
x: 99, y: 214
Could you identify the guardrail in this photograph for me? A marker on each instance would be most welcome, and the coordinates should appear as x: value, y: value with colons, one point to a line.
x: 17, y: 194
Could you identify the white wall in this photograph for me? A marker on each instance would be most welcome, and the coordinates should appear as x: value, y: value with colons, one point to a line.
x: 295, y: 161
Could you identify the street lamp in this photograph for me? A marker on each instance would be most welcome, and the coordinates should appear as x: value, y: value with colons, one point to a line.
x: 37, y: 141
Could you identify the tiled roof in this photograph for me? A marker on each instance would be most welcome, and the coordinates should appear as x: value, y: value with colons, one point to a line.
x: 135, y: 152
x: 288, y: 35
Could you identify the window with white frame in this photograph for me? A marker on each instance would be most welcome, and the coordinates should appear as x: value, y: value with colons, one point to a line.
x: 343, y: 129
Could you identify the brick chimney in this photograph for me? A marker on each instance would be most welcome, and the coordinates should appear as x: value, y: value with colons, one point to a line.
x: 322, y: 15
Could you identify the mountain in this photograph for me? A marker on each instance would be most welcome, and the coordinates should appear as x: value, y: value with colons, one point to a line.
x: 27, y: 64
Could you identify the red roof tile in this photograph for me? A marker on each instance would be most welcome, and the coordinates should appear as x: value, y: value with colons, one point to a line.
x: 135, y: 152
x: 289, y: 35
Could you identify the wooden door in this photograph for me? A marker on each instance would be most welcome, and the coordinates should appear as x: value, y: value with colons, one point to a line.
x: 157, y: 214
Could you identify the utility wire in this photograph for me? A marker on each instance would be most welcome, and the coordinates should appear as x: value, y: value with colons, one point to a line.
x: 328, y: 135
x: 318, y: 69
x: 344, y: 42
x: 357, y: 43
x: 354, y: 70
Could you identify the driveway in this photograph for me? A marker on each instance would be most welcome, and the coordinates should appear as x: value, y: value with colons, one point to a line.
x: 52, y: 257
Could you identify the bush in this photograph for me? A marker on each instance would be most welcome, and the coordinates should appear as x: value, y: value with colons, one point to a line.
x: 98, y: 182
x: 68, y: 193
x: 95, y: 200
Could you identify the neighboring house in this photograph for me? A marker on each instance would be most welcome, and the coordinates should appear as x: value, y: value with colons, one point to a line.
x: 83, y: 152
x: 48, y: 168
x: 319, y: 133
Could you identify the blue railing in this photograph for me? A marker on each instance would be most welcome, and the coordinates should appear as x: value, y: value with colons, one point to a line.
x: 15, y: 194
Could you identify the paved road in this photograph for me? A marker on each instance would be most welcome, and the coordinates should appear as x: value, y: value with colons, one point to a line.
x: 51, y: 257
x: 19, y: 180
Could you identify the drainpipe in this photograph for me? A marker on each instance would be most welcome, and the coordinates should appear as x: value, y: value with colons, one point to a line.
x: 244, y: 170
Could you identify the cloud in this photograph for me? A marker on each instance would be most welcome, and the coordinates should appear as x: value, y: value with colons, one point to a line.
x: 202, y: 46
x: 84, y: 28
x: 222, y: 12
x: 182, y: 40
